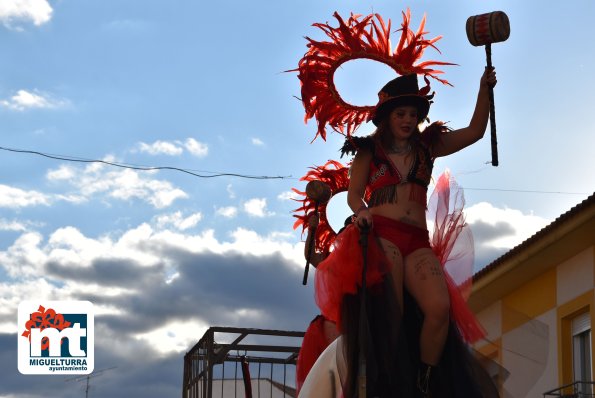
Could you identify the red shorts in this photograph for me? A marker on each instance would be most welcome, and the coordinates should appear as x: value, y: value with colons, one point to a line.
x: 408, y: 238
x: 341, y: 272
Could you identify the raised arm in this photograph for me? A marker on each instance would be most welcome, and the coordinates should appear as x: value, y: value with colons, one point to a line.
x: 461, y: 138
x: 315, y: 257
x: 358, y: 179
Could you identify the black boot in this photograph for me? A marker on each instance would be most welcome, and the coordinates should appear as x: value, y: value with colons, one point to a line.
x: 423, y: 379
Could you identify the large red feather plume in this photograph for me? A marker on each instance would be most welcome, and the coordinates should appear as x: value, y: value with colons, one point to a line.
x: 335, y: 175
x: 359, y: 37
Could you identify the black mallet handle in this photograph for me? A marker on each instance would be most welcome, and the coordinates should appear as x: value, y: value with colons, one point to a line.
x: 492, y: 110
x: 363, y: 319
x: 310, y: 247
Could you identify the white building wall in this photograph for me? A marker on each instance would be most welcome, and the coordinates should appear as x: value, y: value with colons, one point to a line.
x: 575, y: 276
x: 548, y: 379
x: 491, y: 319
x: 526, y: 354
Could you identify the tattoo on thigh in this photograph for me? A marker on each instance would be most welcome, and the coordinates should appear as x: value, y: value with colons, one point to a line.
x: 425, y: 268
x: 419, y: 270
x: 435, y: 270
x: 395, y: 254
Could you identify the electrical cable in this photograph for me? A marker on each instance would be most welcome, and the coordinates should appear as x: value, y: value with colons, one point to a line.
x: 143, y: 168
x: 221, y: 174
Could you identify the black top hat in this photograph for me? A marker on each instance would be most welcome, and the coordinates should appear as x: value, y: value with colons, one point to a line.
x: 401, y: 91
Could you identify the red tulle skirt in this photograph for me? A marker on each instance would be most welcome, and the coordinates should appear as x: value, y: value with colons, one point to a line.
x: 451, y: 240
x: 313, y: 344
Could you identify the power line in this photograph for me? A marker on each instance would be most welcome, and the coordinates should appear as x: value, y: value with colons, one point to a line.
x: 213, y: 174
x: 511, y: 190
x: 523, y: 191
x: 143, y: 168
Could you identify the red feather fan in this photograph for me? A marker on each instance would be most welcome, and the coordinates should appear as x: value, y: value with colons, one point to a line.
x: 335, y: 175
x: 357, y: 38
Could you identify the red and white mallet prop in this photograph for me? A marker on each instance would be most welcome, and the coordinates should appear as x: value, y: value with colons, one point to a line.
x: 320, y: 193
x: 483, y: 30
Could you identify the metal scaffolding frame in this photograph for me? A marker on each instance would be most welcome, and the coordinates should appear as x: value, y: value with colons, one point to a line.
x: 200, y: 361
x: 578, y: 389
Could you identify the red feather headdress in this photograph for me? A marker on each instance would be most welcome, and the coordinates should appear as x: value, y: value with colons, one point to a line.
x: 335, y: 175
x: 357, y: 38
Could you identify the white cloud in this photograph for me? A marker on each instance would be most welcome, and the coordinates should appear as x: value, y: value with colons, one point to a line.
x: 257, y: 142
x: 288, y: 195
x: 24, y: 99
x: 24, y: 257
x: 132, y: 245
x: 68, y: 245
x: 27, y: 256
x: 142, y: 245
x: 36, y: 11
x: 129, y: 184
x: 132, y: 278
x: 11, y: 294
x: 176, y: 336
x: 228, y: 212
x: 522, y: 225
x: 160, y: 147
x: 257, y: 207
x: 6, y: 225
x: 178, y: 221
x: 63, y: 172
x: 17, y: 226
x: 196, y: 148
x: 16, y: 198
x: 250, y: 242
x: 175, y: 148
x: 71, y: 198
x: 230, y: 191
x: 120, y: 184
x: 497, y: 230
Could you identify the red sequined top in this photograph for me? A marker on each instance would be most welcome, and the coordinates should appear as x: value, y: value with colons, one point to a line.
x: 384, y: 177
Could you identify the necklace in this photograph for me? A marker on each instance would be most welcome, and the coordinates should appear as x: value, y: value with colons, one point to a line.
x: 400, y: 150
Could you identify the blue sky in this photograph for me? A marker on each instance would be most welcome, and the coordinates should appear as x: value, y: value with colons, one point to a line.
x: 201, y: 86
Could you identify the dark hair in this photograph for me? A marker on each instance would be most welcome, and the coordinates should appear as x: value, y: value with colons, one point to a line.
x: 348, y: 221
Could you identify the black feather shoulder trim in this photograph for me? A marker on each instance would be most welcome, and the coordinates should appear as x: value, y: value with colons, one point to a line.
x: 354, y: 144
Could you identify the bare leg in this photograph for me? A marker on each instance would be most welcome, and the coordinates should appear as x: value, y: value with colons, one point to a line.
x: 393, y: 254
x: 424, y: 279
x: 330, y: 331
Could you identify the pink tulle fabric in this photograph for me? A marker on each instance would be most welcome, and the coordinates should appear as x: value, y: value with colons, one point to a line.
x: 451, y: 240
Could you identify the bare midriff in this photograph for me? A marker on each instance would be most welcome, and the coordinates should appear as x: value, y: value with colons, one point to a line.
x: 404, y: 210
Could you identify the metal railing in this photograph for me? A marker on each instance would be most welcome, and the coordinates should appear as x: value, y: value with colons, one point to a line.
x: 205, y: 363
x: 578, y: 389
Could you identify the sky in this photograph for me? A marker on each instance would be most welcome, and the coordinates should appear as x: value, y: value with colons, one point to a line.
x: 201, y: 86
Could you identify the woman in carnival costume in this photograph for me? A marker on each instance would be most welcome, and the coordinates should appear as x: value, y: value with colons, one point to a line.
x: 321, y: 332
x: 419, y: 326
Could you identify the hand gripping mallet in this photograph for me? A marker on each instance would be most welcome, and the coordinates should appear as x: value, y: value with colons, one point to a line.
x: 320, y: 193
x: 486, y: 29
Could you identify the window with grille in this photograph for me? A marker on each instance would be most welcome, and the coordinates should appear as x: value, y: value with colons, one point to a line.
x: 581, y: 351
